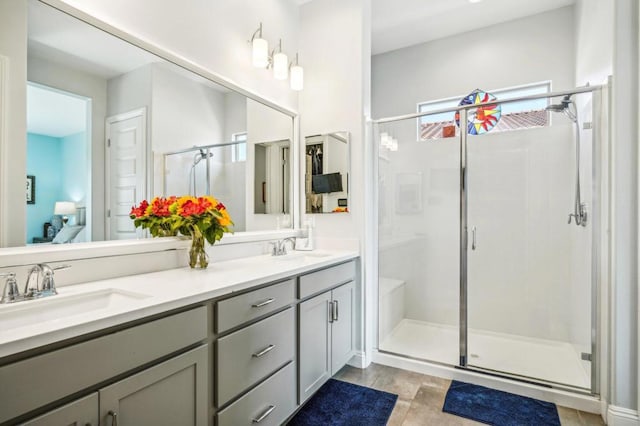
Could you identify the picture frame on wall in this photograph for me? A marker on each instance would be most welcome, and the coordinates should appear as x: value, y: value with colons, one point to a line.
x: 31, y: 189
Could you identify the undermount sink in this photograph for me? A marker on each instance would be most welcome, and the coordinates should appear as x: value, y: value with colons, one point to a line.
x: 51, y: 308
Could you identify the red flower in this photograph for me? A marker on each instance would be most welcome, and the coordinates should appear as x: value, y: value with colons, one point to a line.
x: 160, y: 207
x: 220, y: 206
x: 190, y: 208
x: 140, y: 210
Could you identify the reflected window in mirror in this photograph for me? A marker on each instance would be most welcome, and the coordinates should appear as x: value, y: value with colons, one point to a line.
x: 327, y: 161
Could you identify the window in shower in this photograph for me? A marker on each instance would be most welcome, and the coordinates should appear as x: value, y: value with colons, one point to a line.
x: 515, y: 115
x: 239, y: 150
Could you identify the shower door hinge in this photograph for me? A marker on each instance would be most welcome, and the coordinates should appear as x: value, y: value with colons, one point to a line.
x: 587, y: 125
x: 108, y: 143
x: 585, y: 356
x: 109, y: 213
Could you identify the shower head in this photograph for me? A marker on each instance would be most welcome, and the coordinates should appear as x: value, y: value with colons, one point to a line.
x: 200, y: 156
x: 563, y: 107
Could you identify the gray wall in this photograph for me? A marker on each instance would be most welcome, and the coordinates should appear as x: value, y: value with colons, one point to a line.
x: 532, y: 49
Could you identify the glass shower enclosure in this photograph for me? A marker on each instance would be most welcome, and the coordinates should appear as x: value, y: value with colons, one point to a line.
x: 478, y: 266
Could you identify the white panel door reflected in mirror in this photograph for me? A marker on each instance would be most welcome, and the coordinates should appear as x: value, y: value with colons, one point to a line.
x: 327, y: 161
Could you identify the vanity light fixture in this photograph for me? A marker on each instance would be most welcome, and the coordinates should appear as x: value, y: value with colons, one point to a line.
x: 259, y: 49
x: 280, y: 64
x: 276, y: 59
x: 297, y: 75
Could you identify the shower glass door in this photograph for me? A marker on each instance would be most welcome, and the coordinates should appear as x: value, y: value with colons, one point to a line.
x: 529, y: 284
x: 418, y: 239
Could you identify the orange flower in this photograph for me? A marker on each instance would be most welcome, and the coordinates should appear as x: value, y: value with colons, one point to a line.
x: 160, y: 207
x: 140, y: 210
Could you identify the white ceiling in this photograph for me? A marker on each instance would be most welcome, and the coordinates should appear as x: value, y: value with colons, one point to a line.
x: 401, y: 23
x: 53, y: 113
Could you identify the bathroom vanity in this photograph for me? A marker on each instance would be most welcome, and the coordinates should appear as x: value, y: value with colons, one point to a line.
x: 246, y: 341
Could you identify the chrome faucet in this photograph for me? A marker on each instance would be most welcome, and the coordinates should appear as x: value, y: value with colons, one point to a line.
x: 40, y: 282
x: 279, y: 247
x: 11, y: 293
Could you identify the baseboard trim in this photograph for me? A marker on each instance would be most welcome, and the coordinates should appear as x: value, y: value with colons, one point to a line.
x: 358, y: 360
x: 619, y: 416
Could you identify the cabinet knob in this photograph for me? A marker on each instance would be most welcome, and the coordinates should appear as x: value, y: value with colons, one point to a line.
x: 114, y: 417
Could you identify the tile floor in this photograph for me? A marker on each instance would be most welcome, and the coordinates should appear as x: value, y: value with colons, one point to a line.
x: 420, y: 398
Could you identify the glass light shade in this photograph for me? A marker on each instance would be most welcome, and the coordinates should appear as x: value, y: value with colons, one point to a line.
x: 280, y: 66
x: 64, y: 208
x: 297, y: 77
x: 260, y: 53
x: 385, y: 140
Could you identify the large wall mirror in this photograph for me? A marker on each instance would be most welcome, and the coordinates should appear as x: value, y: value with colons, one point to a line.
x: 110, y: 124
x: 327, y: 160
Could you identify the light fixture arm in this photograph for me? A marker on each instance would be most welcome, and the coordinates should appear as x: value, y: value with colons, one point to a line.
x: 257, y: 32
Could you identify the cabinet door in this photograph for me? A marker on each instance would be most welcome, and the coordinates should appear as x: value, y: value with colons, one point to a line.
x: 171, y: 393
x: 82, y: 412
x: 315, y: 342
x: 342, y: 333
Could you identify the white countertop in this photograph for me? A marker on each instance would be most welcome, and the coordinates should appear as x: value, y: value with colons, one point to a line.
x: 32, y: 324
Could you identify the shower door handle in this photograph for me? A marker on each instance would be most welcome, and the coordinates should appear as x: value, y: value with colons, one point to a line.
x: 473, y: 238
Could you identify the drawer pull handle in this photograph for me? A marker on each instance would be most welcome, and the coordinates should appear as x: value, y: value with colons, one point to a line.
x: 330, y: 305
x: 264, y: 351
x: 263, y: 303
x: 335, y: 310
x: 114, y: 417
x: 265, y: 414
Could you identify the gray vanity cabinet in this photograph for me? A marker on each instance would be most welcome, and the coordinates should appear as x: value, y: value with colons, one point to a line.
x: 171, y: 393
x: 82, y: 412
x: 326, y: 337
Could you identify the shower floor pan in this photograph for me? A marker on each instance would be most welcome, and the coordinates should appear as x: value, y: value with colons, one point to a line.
x: 548, y: 360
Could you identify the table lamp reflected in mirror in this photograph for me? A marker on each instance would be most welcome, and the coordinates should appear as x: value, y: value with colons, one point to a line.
x: 64, y: 209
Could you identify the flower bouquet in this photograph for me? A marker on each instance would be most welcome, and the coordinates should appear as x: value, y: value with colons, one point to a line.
x: 201, y: 218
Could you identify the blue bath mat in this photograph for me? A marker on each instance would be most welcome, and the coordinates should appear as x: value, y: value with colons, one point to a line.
x: 498, y: 408
x: 340, y: 403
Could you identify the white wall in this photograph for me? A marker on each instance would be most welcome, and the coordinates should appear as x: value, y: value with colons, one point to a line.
x: 624, y: 288
x: 184, y: 113
x: 71, y: 80
x: 594, y: 41
x: 336, y: 94
x: 13, y: 122
x: 212, y: 34
x: 335, y: 49
x: 527, y: 50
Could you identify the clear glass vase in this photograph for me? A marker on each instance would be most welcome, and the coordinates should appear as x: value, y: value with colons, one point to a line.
x: 198, y: 257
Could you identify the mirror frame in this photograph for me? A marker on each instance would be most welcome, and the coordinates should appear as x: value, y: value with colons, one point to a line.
x: 85, y: 250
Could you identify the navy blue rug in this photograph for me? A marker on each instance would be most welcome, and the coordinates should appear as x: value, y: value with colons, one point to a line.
x: 340, y: 403
x: 498, y: 408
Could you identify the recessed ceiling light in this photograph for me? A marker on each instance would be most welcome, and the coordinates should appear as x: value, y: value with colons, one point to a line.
x: 475, y: 1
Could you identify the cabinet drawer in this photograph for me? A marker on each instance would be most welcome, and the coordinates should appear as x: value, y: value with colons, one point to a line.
x: 34, y: 382
x: 277, y: 392
x: 317, y: 282
x: 249, y: 355
x: 245, y: 307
